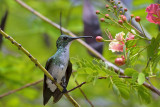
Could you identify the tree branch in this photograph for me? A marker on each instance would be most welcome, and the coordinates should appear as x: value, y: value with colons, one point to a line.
x: 151, y: 87
x: 34, y: 60
x: 117, y: 69
x: 25, y: 86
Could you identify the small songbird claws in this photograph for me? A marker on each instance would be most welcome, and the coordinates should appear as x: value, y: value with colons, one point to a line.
x: 64, y: 90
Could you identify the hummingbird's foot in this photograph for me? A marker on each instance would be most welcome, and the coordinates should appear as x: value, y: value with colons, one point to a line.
x: 64, y: 90
x: 55, y: 80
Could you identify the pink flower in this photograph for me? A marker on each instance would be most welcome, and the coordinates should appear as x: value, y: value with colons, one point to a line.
x: 119, y: 36
x: 130, y: 36
x: 116, y: 46
x: 153, y: 13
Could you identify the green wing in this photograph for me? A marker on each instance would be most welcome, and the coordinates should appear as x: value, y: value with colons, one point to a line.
x: 68, y: 72
x: 46, y: 91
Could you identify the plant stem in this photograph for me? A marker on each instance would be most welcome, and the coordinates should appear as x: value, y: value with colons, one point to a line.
x: 25, y: 86
x: 142, y: 29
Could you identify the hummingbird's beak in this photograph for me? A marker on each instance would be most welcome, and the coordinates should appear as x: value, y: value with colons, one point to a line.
x: 73, y: 38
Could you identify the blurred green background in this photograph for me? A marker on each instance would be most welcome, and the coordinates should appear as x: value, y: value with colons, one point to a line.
x: 30, y: 31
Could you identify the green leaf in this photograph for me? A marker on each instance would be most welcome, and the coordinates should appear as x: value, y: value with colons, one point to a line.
x: 141, y: 78
x: 130, y: 43
x: 135, y: 77
x: 121, y: 86
x: 134, y: 50
x: 144, y: 94
x: 129, y: 71
x: 115, y: 90
x: 155, y: 62
x: 151, y: 50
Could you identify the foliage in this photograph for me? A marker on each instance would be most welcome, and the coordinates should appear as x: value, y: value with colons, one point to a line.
x: 17, y: 70
x: 122, y: 87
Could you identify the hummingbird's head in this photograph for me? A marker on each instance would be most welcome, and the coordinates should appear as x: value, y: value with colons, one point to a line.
x: 64, y: 40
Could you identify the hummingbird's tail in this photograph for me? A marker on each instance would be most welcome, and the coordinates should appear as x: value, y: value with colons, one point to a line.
x: 46, y: 96
x: 57, y: 94
x: 47, y: 93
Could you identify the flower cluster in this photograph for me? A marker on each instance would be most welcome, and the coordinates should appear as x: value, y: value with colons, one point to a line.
x: 153, y: 13
x: 119, y: 41
x: 117, y: 44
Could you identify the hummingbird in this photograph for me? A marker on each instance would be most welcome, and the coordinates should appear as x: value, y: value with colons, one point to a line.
x: 60, y: 67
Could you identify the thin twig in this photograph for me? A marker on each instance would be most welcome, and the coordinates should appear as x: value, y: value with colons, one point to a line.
x: 149, y: 81
x: 77, y: 87
x: 142, y: 29
x: 117, y: 69
x: 20, y: 47
x: 120, y: 76
x: 15, y: 90
x: 83, y: 92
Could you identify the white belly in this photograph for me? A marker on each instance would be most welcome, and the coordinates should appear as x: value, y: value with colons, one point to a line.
x: 58, y: 71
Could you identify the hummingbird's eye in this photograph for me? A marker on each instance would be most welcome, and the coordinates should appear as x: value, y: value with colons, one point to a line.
x: 65, y: 38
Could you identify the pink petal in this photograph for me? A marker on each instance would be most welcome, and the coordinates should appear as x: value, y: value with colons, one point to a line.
x: 130, y: 36
x: 149, y: 18
x: 116, y: 46
x: 119, y: 36
x: 152, y: 8
x: 158, y: 12
x: 153, y: 13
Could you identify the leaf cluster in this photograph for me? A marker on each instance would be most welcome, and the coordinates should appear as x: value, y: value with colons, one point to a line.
x: 122, y: 87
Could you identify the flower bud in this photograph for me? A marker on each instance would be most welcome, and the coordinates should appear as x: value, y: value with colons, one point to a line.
x: 120, y: 22
x: 109, y: 10
x: 107, y: 16
x: 123, y: 57
x: 107, y: 6
x: 120, y: 61
x: 121, y: 16
x: 114, y: 7
x: 138, y: 19
x: 97, y: 12
x: 132, y: 15
x: 120, y: 12
x: 102, y: 20
x: 112, y: 1
x: 124, y: 18
x: 119, y: 2
x: 99, y: 39
x: 125, y: 9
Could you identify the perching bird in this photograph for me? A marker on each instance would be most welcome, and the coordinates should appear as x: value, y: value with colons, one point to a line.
x: 60, y: 67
